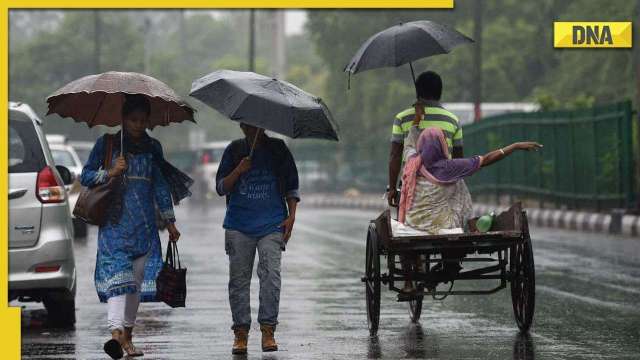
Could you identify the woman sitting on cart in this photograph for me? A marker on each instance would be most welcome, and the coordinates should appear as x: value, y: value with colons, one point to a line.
x: 434, y: 195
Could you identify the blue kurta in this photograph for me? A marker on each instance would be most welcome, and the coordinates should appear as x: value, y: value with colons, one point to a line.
x: 136, y: 232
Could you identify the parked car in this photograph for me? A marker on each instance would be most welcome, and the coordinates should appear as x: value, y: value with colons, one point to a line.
x: 209, y: 156
x: 185, y: 160
x: 41, y: 261
x: 65, y: 155
x: 83, y: 149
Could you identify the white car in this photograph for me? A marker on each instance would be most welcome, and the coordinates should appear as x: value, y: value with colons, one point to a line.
x: 209, y: 156
x: 41, y: 261
x: 83, y: 149
x: 65, y: 155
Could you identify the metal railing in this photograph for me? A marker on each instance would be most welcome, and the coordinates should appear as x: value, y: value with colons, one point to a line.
x: 586, y: 163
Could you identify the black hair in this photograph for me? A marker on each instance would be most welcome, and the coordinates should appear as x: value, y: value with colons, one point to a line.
x: 135, y: 102
x: 243, y: 124
x: 429, y: 86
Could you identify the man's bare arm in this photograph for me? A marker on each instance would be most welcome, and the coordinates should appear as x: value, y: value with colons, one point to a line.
x: 395, y: 163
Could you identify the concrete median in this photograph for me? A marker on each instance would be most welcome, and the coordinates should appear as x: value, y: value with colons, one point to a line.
x: 615, y: 222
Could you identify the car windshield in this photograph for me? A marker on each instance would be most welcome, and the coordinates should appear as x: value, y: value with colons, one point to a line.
x: 217, y: 154
x: 183, y: 160
x: 63, y: 157
x: 83, y: 154
x: 25, y: 151
x: 212, y: 155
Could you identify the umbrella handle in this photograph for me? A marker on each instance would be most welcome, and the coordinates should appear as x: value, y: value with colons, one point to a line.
x: 413, y: 76
x: 255, y: 140
x: 122, y: 138
x: 124, y: 175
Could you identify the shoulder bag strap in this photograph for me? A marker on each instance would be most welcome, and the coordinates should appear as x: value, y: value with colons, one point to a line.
x: 108, y: 152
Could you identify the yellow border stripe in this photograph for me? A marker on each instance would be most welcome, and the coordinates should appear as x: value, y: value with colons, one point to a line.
x: 310, y: 4
x: 9, y: 316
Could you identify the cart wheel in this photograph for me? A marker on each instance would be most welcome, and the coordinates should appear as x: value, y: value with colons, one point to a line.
x: 372, y: 283
x: 523, y: 284
x: 415, y: 310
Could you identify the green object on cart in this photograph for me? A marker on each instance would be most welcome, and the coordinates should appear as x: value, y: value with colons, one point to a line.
x: 484, y: 222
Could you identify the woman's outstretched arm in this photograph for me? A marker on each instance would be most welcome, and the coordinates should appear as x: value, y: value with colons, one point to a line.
x: 497, y: 155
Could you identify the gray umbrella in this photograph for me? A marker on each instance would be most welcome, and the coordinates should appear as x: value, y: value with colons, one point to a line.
x: 266, y: 103
x: 404, y: 43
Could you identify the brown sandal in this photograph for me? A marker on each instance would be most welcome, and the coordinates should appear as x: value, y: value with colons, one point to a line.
x: 127, y: 344
x: 131, y: 349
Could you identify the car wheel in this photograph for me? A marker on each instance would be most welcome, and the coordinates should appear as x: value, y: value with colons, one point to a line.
x: 79, y: 228
x: 61, y: 308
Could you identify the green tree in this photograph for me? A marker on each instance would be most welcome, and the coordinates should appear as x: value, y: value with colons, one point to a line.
x: 50, y: 59
x: 519, y: 64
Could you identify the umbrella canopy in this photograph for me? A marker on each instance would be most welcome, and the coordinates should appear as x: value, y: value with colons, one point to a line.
x: 266, y: 103
x: 98, y: 99
x: 404, y: 43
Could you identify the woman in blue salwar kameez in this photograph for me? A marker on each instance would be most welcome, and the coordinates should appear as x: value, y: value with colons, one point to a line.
x: 129, y: 254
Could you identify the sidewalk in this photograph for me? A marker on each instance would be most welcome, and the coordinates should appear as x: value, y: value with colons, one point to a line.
x: 612, y: 223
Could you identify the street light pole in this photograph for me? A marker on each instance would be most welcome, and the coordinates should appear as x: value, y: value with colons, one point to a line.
x: 183, y: 40
x: 477, y: 61
x: 147, y: 46
x: 97, y: 30
x: 252, y: 40
x: 279, y: 51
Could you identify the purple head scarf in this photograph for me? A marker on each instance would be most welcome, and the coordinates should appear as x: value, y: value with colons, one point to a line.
x: 436, y: 165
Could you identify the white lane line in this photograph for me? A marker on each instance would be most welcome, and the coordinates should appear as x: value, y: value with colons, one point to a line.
x: 352, y: 213
x: 617, y: 287
x: 331, y: 235
x: 587, y: 299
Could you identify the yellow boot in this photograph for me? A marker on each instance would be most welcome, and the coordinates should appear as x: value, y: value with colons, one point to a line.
x: 268, y: 341
x: 240, y: 341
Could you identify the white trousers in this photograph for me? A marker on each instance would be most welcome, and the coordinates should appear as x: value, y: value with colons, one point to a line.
x: 122, y: 309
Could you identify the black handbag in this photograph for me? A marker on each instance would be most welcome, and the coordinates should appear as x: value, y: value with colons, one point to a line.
x: 171, y: 284
x: 93, y: 203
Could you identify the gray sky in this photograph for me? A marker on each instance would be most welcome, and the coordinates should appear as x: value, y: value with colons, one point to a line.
x: 295, y: 20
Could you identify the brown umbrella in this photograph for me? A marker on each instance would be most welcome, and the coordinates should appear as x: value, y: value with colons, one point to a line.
x: 98, y: 99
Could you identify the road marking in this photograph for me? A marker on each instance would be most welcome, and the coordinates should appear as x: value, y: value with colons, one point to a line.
x: 330, y: 235
x: 587, y: 299
x: 618, y: 287
x: 339, y: 212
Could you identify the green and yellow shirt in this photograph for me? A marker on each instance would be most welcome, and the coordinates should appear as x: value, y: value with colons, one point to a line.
x: 434, y: 116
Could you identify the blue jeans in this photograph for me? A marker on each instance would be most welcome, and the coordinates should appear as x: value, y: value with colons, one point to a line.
x: 241, y: 250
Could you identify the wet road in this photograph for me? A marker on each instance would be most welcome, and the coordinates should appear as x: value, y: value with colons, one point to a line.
x: 586, y: 307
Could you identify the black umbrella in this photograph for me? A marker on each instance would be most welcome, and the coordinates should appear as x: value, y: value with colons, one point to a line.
x: 404, y: 43
x: 266, y: 103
